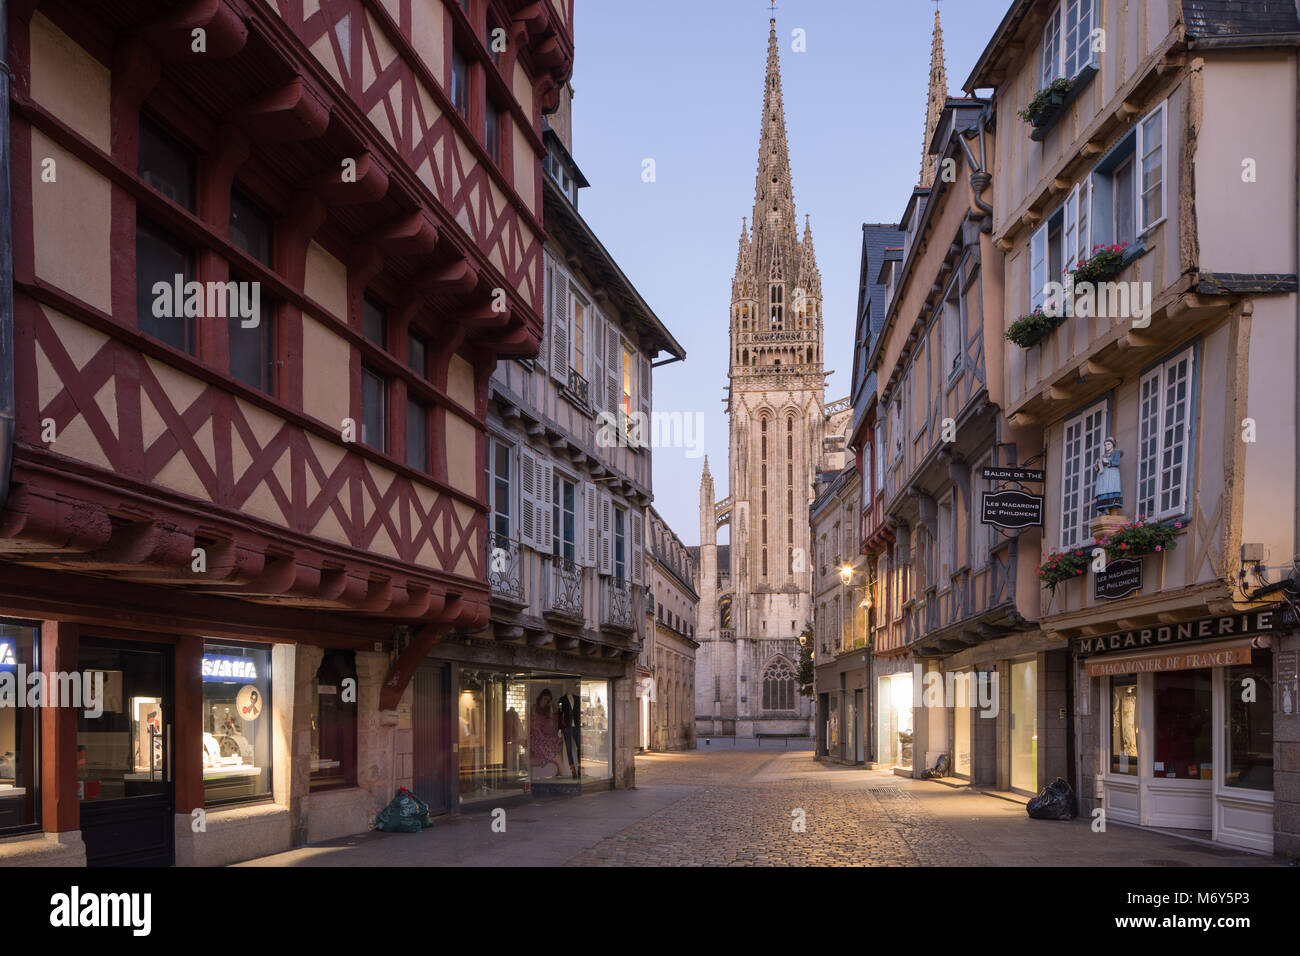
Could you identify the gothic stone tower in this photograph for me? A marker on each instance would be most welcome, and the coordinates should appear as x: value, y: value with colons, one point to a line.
x: 754, y: 596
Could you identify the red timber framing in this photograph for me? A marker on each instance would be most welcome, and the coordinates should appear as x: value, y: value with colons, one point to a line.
x: 301, y: 532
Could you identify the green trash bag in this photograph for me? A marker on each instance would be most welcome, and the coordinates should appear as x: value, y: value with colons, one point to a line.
x: 406, y: 813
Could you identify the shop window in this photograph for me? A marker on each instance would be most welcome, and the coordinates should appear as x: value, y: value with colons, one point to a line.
x: 1184, y: 743
x: 19, y: 729
x: 236, y: 723
x: 1249, y: 745
x: 251, y: 337
x: 334, y: 722
x: 1124, y: 725
x: 1024, y: 726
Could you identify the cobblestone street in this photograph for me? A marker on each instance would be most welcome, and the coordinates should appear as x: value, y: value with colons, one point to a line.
x: 718, y: 807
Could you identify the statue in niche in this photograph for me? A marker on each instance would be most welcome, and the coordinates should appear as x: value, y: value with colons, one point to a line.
x: 1106, y: 493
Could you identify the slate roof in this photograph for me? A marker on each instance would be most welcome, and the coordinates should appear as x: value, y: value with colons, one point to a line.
x: 1240, y: 18
x: 724, y: 556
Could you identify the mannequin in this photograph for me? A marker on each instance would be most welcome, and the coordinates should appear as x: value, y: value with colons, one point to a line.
x: 570, y: 727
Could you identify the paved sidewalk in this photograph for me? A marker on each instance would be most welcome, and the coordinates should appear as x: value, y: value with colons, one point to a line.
x: 739, y: 808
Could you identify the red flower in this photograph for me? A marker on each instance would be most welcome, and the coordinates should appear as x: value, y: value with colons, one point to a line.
x: 1123, y: 546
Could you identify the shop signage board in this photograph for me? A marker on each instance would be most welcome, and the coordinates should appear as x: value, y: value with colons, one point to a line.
x: 219, y: 667
x: 1012, y: 474
x: 1121, y: 578
x: 1011, y: 509
x: 1214, y: 656
x: 1202, y: 629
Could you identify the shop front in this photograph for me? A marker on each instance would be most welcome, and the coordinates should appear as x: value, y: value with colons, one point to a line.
x: 1184, y: 730
x: 894, y: 713
x: 843, y: 720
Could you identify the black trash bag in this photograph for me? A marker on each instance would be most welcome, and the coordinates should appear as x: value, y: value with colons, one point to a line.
x: 940, y: 768
x: 1055, y: 802
x: 406, y: 813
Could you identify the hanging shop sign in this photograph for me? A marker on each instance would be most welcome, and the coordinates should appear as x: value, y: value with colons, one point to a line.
x: 1012, y: 474
x: 1203, y: 629
x: 1121, y: 578
x: 1011, y: 509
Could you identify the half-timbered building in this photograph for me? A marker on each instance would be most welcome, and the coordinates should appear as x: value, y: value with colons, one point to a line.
x: 266, y: 256
x: 1147, y: 209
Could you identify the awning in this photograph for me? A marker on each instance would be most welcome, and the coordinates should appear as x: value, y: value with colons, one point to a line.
x: 1210, y: 655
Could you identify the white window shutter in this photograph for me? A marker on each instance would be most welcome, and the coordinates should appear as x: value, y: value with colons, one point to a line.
x: 1085, y: 220
x: 1071, y: 236
x: 590, y: 544
x: 644, y: 393
x: 528, y: 466
x: 561, y: 310
x: 546, y: 506
x: 547, y: 294
x: 638, y: 550
x: 596, y: 362
x: 613, y: 368
x: 606, y: 534
x: 1038, y: 268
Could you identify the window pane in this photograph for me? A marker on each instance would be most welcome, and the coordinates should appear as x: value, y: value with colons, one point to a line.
x: 417, y: 436
x: 492, y: 132
x: 1124, y: 225
x: 501, y: 490
x: 416, y: 356
x: 1249, y: 747
x: 1050, y: 68
x: 1184, y: 747
x: 236, y: 723
x: 1152, y: 168
x: 18, y: 732
x: 1123, y: 725
x: 160, y: 312
x: 372, y: 409
x: 459, y: 83
x: 250, y: 229
x: 166, y: 165
x: 373, y: 325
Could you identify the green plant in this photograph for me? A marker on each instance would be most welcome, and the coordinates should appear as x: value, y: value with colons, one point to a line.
x: 1141, y: 537
x: 1062, y: 565
x: 1041, y: 101
x: 1028, y: 329
x: 1104, y: 263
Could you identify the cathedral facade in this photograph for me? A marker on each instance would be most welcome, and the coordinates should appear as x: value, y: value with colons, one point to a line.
x: 755, y: 591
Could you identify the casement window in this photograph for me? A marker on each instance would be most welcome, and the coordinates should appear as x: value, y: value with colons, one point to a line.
x: 492, y: 131
x: 954, y: 330
x: 626, y: 401
x: 1081, y: 441
x: 374, y: 389
x: 500, y: 473
x: 374, y: 322
x: 251, y: 339
x: 168, y: 168
x: 459, y: 83
x: 1059, y: 245
x: 564, y: 520
x: 620, y: 544
x: 536, y: 501
x: 417, y: 435
x: 880, y: 459
x: 1067, y: 41
x: 417, y: 355
x: 578, y: 334
x: 1164, y: 439
x: 1128, y: 186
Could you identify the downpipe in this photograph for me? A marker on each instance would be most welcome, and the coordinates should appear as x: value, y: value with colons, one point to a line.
x: 6, y: 272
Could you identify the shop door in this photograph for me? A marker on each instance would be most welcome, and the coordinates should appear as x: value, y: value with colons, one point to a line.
x: 1178, y: 785
x: 430, y: 726
x: 124, y: 755
x: 1024, y: 726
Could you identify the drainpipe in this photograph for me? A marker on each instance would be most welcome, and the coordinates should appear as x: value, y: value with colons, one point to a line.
x: 6, y: 272
x: 1295, y: 541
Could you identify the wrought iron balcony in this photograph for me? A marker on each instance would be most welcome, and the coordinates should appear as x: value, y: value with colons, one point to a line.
x: 616, y: 611
x: 504, y: 570
x: 579, y: 387
x: 563, y: 578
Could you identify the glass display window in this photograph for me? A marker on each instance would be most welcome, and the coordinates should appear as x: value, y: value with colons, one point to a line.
x: 1248, y: 692
x: 334, y: 722
x: 19, y: 729
x: 1183, y: 718
x: 1024, y: 726
x: 1124, y: 725
x: 492, y: 714
x: 236, y: 723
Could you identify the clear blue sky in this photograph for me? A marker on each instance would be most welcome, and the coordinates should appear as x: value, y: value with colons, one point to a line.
x: 682, y: 83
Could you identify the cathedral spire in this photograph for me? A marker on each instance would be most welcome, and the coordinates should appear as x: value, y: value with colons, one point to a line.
x: 934, y: 105
x: 774, y: 223
x: 810, y: 279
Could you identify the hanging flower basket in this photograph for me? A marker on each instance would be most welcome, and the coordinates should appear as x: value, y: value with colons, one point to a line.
x: 1044, y: 104
x: 1028, y: 330
x: 1105, y: 263
x: 1064, y: 565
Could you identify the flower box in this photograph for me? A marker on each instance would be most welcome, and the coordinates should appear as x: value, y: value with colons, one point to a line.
x: 1028, y: 330
x: 1049, y: 104
x: 1105, y: 263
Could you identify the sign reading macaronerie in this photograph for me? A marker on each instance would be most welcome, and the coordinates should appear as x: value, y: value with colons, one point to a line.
x: 1204, y: 629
